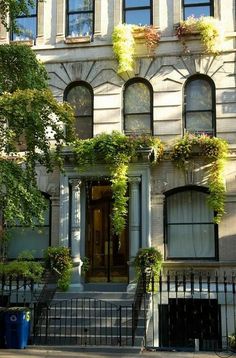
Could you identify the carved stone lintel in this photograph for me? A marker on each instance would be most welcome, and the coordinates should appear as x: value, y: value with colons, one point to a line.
x: 75, y: 184
x: 134, y: 180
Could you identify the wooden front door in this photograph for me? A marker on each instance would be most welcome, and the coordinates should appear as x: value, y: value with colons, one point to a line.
x: 107, y: 252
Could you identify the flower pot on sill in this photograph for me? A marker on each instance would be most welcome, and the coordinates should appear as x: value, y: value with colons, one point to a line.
x: 23, y: 42
x: 78, y: 39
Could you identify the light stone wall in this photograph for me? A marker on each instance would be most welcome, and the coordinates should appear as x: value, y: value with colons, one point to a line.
x: 167, y: 72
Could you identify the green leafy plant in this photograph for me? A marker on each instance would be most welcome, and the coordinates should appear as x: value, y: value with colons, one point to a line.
x: 123, y: 47
x: 117, y: 151
x: 58, y: 260
x: 85, y: 265
x: 215, y: 151
x: 24, y: 267
x: 209, y: 29
x: 123, y: 39
x: 148, y: 258
x: 232, y: 341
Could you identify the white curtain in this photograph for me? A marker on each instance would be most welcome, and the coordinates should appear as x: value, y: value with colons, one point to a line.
x: 190, y: 228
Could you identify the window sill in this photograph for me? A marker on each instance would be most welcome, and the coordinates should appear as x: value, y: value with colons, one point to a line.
x: 23, y: 42
x: 140, y: 33
x: 78, y: 39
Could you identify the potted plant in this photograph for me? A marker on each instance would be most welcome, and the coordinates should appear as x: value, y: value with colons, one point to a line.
x: 148, y: 259
x: 208, y: 28
x: 58, y: 260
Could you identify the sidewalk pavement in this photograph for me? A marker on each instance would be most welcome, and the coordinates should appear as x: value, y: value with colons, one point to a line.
x: 71, y: 352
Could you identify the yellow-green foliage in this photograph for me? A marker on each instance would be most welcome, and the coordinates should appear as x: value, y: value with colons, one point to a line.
x: 123, y: 47
x: 210, y: 30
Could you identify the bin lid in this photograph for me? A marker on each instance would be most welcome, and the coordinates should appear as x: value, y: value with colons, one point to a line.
x: 16, y: 309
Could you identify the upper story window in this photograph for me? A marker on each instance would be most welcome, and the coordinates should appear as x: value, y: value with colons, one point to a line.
x: 27, y: 25
x: 80, y: 17
x: 197, y: 8
x: 189, y: 228
x: 80, y: 96
x: 199, y: 106
x: 138, y: 113
x: 137, y: 12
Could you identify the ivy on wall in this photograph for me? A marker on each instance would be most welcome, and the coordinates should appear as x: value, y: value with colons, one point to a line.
x: 215, y: 151
x: 117, y: 151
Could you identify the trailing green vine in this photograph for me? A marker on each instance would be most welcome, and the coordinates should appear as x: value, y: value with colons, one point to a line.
x: 123, y: 38
x: 213, y: 149
x: 117, y: 151
x: 123, y: 47
x: 209, y: 29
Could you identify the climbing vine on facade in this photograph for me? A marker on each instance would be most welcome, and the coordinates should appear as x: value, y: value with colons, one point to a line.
x: 117, y: 151
x: 215, y: 151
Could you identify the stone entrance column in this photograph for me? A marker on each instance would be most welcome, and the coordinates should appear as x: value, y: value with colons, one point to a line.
x: 134, y: 226
x: 76, y: 234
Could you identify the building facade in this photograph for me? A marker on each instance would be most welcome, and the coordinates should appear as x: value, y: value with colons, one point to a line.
x: 169, y: 92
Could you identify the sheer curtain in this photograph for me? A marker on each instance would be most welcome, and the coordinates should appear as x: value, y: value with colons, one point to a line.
x: 190, y: 227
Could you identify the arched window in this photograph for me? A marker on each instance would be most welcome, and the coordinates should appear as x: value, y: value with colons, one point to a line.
x: 190, y: 232
x: 80, y: 17
x: 138, y: 107
x: 80, y: 96
x: 199, y: 105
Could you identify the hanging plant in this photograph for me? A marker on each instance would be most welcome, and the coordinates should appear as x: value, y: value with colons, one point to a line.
x: 117, y: 151
x: 213, y: 149
x: 123, y: 38
x: 209, y: 29
x: 149, y: 34
x: 123, y: 47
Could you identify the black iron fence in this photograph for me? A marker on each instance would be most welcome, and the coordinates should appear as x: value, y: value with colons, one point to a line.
x: 15, y: 290
x: 191, y: 311
x: 187, y: 311
x: 84, y: 321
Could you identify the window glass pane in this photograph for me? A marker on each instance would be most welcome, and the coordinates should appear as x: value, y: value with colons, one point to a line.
x: 27, y: 27
x: 137, y: 123
x: 80, y: 98
x: 198, y: 95
x: 137, y: 98
x: 135, y: 3
x: 80, y: 24
x: 80, y: 5
x: 196, y: 11
x: 34, y: 240
x: 191, y: 241
x: 190, y: 227
x: 199, y: 121
x: 137, y: 17
x: 190, y: 2
x: 84, y: 127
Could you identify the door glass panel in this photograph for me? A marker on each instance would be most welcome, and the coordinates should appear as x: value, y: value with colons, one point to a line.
x: 108, y: 253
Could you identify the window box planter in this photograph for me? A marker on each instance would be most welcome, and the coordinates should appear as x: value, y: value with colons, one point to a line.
x: 78, y: 39
x: 206, y: 27
x: 23, y: 42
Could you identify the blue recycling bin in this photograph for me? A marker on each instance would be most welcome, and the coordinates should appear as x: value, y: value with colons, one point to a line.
x: 17, y: 327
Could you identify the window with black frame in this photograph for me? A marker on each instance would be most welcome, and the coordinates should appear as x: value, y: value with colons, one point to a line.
x: 27, y: 25
x: 25, y: 238
x: 197, y: 8
x: 137, y: 12
x: 199, y: 106
x: 138, y: 114
x: 189, y: 227
x: 80, y: 96
x: 80, y: 18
